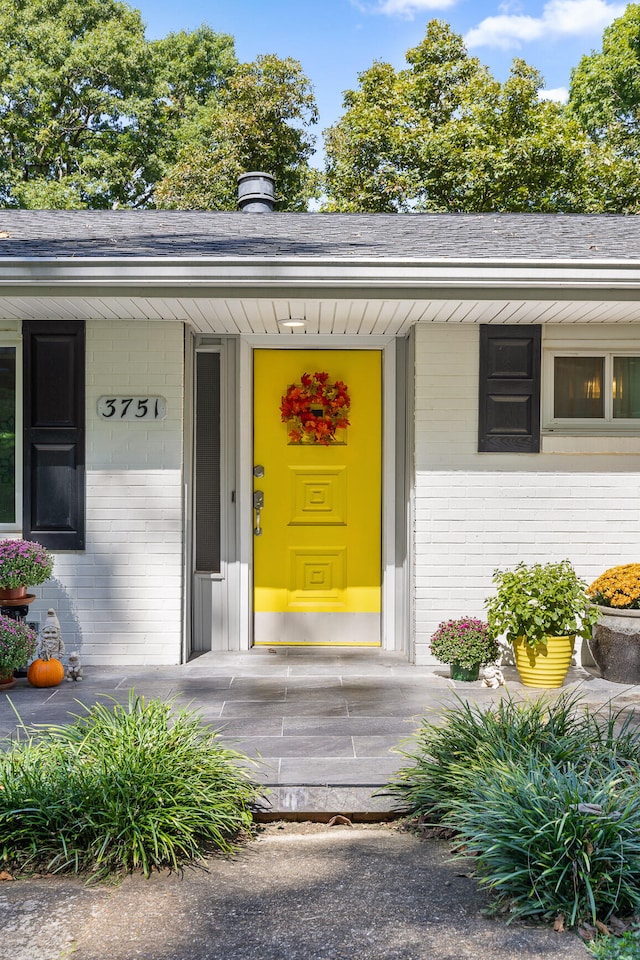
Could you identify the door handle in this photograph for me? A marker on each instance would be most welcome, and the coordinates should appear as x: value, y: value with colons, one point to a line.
x: 258, y: 505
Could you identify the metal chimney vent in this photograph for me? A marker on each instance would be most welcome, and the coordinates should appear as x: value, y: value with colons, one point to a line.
x: 256, y: 192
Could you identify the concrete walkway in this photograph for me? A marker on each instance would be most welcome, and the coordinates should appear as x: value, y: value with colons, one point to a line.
x: 324, y: 723
x: 299, y: 892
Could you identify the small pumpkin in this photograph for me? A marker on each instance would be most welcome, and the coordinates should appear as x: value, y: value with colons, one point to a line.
x: 45, y: 671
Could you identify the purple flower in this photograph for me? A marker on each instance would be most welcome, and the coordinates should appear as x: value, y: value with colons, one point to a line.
x: 17, y: 644
x: 23, y: 563
x: 466, y: 641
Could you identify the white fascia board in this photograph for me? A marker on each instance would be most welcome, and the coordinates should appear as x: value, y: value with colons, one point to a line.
x: 204, y: 276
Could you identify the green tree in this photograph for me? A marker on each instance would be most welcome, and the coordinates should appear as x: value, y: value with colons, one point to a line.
x: 79, y: 111
x: 443, y: 134
x: 605, y: 97
x: 194, y: 65
x: 94, y: 115
x: 191, y: 69
x: 257, y: 120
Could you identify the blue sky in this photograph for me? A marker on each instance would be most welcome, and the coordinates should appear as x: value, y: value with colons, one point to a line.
x: 336, y: 39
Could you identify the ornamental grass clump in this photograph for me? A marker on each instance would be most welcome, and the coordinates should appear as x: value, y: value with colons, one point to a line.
x: 545, y: 795
x: 550, y: 840
x: 467, y: 642
x: 617, y: 587
x: 132, y: 787
x: 540, y: 600
x: 23, y: 563
x: 468, y: 741
x: 17, y: 645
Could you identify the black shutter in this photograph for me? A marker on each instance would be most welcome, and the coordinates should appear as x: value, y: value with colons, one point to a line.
x: 54, y: 457
x: 509, y: 414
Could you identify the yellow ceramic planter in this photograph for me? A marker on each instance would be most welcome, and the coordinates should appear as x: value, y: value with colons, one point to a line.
x: 546, y: 664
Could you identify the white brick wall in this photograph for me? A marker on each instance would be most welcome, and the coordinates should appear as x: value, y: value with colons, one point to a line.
x: 119, y: 602
x: 475, y: 512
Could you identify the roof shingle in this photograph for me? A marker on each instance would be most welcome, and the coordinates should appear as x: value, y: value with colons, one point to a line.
x: 219, y: 235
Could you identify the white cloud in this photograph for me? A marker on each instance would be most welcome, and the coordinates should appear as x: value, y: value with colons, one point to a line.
x: 560, y: 18
x: 505, y: 31
x: 404, y: 8
x: 559, y: 94
x: 511, y: 6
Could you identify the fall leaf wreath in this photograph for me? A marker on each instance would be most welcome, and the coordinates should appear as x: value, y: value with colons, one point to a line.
x: 315, y: 408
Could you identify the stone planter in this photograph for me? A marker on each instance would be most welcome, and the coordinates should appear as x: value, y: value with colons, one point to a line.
x: 615, y: 645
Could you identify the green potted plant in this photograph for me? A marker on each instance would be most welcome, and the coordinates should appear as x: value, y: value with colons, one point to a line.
x: 466, y: 645
x: 615, y: 641
x: 540, y: 608
x: 17, y: 647
x: 23, y: 564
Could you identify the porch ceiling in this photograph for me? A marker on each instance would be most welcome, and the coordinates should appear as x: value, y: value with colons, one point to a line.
x: 359, y: 316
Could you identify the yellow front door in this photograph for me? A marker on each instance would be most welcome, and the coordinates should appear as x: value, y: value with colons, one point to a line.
x: 317, y: 496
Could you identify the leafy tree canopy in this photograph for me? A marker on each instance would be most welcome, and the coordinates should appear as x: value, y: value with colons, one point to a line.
x: 194, y: 65
x: 444, y: 135
x: 79, y: 106
x: 94, y: 115
x: 605, y: 98
x: 605, y: 86
x: 258, y: 120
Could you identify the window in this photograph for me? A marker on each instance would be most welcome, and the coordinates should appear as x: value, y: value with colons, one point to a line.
x: 207, y: 463
x: 592, y: 390
x: 9, y: 436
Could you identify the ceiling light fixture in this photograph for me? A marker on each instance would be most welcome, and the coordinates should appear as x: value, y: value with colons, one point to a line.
x: 292, y: 322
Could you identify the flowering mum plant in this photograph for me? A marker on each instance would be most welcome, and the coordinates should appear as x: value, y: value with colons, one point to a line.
x: 23, y: 563
x: 466, y: 641
x: 315, y: 408
x: 538, y: 601
x: 17, y: 644
x: 618, y: 587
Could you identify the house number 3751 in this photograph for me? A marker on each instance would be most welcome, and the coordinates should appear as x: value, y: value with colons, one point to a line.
x: 132, y: 408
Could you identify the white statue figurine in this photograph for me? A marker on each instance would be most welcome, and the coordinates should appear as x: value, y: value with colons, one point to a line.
x: 50, y: 637
x: 492, y: 677
x: 74, y: 669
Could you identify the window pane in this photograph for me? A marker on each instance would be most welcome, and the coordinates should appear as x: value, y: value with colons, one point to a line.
x: 578, y: 387
x: 207, y: 442
x: 7, y: 434
x: 626, y: 387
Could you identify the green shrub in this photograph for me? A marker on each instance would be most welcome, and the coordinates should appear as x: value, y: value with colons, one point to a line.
x: 124, y: 787
x: 625, y: 947
x: 468, y: 740
x: 545, y: 796
x: 551, y: 841
x: 537, y: 600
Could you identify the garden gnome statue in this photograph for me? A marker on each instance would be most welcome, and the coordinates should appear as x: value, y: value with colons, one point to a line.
x: 50, y: 637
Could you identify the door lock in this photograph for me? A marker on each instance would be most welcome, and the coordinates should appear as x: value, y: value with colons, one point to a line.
x: 258, y: 504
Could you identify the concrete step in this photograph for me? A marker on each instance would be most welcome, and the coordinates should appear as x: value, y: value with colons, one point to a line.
x: 321, y: 803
